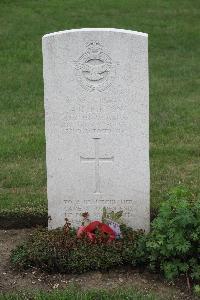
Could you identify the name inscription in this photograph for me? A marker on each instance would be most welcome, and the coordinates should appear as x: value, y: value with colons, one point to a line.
x: 91, y: 119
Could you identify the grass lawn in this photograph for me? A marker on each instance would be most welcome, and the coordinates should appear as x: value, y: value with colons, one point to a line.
x: 174, y: 53
x: 74, y: 294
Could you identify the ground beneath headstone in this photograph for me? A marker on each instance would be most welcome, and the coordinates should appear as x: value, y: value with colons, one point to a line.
x: 11, y: 280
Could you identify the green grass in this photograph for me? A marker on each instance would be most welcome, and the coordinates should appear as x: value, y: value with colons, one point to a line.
x: 76, y: 294
x: 174, y: 52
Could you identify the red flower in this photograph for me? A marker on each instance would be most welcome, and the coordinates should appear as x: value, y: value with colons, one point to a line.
x: 90, y: 229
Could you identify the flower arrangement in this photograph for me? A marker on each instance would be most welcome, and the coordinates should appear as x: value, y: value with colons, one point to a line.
x: 107, y: 230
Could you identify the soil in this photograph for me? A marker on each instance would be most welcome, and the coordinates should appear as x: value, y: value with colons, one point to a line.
x: 14, y: 221
x: 12, y: 280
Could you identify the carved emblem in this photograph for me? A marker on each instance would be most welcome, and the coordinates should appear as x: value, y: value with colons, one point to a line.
x: 95, y: 69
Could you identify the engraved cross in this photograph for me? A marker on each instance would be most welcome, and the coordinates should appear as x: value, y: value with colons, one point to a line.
x: 97, y: 160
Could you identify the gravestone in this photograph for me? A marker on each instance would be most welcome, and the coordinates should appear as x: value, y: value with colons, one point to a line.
x: 97, y: 125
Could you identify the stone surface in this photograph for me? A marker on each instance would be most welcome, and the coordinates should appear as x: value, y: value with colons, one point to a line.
x: 97, y: 124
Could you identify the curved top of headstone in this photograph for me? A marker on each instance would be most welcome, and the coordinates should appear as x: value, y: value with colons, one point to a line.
x: 96, y: 29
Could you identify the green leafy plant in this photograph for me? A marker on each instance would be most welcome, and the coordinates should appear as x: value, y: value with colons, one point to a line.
x: 173, y: 245
x: 114, y: 216
x: 197, y: 290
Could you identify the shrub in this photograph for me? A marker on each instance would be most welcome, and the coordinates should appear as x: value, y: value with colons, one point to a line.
x: 56, y: 251
x: 173, y: 245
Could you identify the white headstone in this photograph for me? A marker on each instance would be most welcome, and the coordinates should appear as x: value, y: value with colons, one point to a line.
x: 97, y: 124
